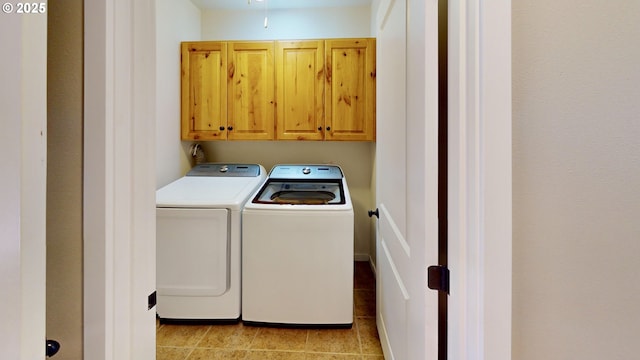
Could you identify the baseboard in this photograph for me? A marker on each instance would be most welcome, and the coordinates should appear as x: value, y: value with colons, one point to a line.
x: 361, y: 257
x: 373, y: 267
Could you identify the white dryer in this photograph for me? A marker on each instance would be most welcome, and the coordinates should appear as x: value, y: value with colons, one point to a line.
x: 297, y: 249
x: 198, y: 233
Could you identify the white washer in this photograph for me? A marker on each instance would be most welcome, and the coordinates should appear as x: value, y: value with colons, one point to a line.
x: 297, y: 249
x: 198, y: 225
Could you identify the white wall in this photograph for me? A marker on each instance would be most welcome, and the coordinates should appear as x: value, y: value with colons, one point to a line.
x: 286, y: 24
x: 576, y: 179
x: 176, y: 21
x: 23, y: 145
x: 10, y: 143
x: 356, y: 158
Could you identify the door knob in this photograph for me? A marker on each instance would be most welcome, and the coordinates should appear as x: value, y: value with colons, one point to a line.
x: 52, y: 348
x: 374, y: 212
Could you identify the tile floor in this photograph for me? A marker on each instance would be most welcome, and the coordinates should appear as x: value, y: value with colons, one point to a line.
x: 200, y: 342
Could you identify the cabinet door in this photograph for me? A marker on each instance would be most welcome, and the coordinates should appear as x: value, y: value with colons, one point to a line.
x: 251, y: 86
x: 300, y: 84
x: 203, y: 90
x: 350, y: 89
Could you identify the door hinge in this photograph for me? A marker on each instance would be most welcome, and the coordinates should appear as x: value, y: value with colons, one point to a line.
x: 152, y: 300
x: 438, y: 278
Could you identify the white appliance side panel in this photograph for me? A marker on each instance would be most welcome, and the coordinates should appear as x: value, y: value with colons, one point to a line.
x: 192, y: 252
x: 297, y: 267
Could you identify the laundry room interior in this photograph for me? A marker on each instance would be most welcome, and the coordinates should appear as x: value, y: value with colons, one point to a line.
x: 191, y: 21
x: 179, y: 21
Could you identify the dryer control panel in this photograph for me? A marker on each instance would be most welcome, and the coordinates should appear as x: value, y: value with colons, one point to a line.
x: 225, y: 170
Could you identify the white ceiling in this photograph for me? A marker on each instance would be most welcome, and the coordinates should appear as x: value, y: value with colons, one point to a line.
x: 277, y: 4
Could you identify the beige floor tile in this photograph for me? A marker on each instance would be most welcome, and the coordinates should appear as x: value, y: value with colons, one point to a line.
x: 365, y: 302
x: 180, y: 335
x: 324, y: 356
x: 275, y: 355
x: 369, y: 339
x: 201, y: 342
x: 228, y: 337
x: 333, y: 341
x: 280, y: 339
x: 172, y: 353
x: 217, y: 354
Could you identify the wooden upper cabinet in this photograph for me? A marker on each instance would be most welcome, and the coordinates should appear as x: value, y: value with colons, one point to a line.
x: 251, y: 90
x: 299, y: 90
x: 350, y: 89
x: 203, y: 90
x: 321, y: 90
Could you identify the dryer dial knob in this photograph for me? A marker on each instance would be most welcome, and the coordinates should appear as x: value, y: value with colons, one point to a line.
x: 306, y: 170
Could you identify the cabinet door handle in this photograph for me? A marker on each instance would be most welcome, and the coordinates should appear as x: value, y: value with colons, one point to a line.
x: 319, y: 128
x: 230, y: 128
x: 328, y: 128
x: 221, y: 128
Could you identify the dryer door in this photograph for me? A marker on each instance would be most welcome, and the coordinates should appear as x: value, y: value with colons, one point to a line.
x: 192, y: 252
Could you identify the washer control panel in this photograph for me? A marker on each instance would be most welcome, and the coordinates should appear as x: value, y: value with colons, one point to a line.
x: 306, y: 172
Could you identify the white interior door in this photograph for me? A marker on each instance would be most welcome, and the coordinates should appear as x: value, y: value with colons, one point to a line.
x: 406, y: 172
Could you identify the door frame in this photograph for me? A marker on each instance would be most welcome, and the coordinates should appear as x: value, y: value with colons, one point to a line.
x: 117, y: 166
x: 480, y: 179
x: 119, y: 179
x: 479, y: 191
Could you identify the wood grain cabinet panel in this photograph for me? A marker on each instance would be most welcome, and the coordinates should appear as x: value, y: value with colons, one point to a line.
x: 350, y: 89
x: 203, y: 90
x: 251, y: 90
x: 300, y: 90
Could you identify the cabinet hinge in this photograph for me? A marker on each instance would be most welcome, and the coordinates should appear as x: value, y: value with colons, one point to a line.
x: 438, y: 278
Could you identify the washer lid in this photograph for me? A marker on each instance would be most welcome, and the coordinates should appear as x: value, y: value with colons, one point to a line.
x: 316, y: 172
x: 225, y: 170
